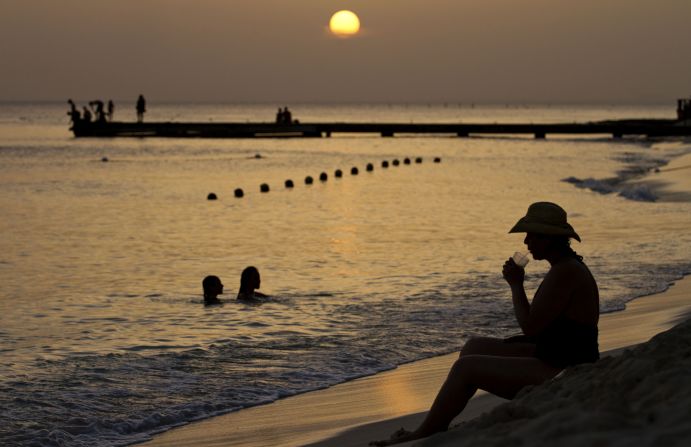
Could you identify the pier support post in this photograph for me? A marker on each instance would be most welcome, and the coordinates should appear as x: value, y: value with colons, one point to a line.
x: 328, y: 134
x: 463, y: 134
x: 387, y: 133
x: 540, y: 135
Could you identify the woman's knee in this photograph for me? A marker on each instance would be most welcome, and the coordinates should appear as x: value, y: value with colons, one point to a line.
x: 479, y: 345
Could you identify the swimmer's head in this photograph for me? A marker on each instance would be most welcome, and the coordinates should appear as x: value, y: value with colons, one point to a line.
x: 250, y: 279
x: 212, y: 286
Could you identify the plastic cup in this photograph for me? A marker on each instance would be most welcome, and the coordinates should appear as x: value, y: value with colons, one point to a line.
x: 521, y: 259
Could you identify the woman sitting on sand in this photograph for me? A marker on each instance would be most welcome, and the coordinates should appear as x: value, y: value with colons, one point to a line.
x: 249, y: 281
x: 559, y: 326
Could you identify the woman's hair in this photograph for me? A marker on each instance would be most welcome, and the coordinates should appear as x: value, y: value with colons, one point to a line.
x: 563, y: 245
x: 247, y: 278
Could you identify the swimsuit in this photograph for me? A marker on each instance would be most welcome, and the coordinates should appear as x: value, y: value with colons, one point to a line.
x: 563, y: 343
x: 566, y: 343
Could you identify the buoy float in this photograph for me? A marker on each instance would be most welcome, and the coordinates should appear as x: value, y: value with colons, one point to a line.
x: 396, y: 162
x: 239, y: 193
x: 370, y: 167
x: 104, y: 159
x: 437, y: 160
x: 264, y: 187
x: 354, y: 170
x: 323, y: 177
x: 211, y: 196
x: 418, y: 160
x: 338, y: 173
x: 289, y: 183
x: 309, y: 180
x: 406, y: 161
x: 384, y: 164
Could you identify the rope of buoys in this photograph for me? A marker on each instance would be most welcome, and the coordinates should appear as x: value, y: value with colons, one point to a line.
x: 264, y: 187
x: 211, y: 196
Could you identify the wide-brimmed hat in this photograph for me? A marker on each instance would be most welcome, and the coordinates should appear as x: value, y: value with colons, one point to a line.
x: 545, y: 218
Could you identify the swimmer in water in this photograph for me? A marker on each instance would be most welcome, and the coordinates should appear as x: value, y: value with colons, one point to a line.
x: 212, y: 288
x: 249, y: 281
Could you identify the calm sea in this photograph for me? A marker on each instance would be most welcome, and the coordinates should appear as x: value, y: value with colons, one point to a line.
x: 103, y: 335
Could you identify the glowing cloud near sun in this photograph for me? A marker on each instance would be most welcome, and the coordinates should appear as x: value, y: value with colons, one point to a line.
x: 344, y: 23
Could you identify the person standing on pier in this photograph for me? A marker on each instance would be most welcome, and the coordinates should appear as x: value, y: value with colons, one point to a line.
x: 111, y: 110
x: 99, y: 110
x: 141, y: 108
x: 73, y: 112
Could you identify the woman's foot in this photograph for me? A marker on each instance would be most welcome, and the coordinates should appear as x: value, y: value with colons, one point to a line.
x: 399, y: 436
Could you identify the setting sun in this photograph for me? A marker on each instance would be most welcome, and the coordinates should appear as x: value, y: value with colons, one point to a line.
x: 344, y: 23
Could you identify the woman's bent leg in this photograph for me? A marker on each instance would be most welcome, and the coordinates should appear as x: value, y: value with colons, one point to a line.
x: 497, y: 346
x: 500, y: 375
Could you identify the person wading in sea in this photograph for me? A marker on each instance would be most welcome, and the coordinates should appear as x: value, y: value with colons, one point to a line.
x: 213, y: 287
x: 249, y: 281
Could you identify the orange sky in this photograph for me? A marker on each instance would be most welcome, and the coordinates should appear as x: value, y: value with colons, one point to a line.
x: 623, y: 51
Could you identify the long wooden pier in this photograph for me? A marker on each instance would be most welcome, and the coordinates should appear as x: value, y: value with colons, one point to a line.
x: 616, y: 129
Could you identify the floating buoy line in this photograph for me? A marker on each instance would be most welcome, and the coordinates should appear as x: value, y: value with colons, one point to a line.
x: 324, y: 177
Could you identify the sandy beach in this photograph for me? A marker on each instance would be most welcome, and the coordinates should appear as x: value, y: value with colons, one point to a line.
x: 583, y: 405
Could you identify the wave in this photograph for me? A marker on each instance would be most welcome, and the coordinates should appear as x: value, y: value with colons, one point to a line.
x: 636, y: 166
x: 637, y: 192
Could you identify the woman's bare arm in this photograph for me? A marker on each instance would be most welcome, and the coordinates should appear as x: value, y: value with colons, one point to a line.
x: 549, y: 301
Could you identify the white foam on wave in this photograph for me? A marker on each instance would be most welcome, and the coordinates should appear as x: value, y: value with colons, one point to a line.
x: 641, y: 193
x: 636, y: 166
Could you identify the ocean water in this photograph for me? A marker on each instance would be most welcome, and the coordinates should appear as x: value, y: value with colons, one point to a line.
x: 103, y: 335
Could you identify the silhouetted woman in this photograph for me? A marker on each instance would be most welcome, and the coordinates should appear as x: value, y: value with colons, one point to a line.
x: 559, y: 326
x: 249, y: 281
